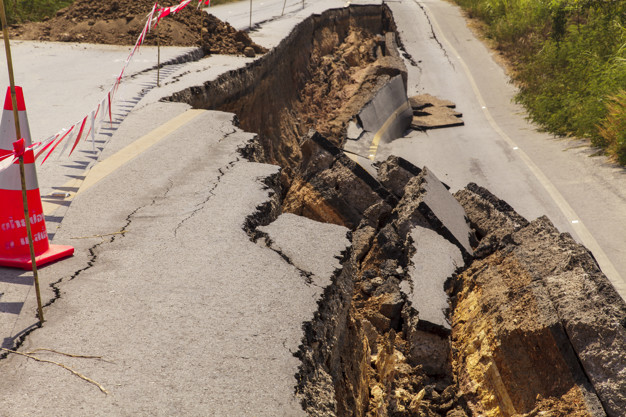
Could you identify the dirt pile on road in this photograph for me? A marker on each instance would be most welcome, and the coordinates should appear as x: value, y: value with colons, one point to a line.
x: 221, y: 38
x: 119, y: 22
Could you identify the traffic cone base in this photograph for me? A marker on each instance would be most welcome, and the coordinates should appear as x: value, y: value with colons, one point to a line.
x: 14, y: 250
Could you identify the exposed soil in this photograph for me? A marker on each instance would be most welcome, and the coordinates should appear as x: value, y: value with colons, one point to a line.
x: 119, y: 22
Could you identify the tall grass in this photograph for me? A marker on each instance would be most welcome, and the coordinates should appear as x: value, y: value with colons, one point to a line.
x: 569, y: 58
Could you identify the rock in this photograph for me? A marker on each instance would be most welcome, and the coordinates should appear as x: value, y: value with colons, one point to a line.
x: 351, y: 56
x: 249, y: 52
x: 335, y: 183
x: 428, y: 350
x: 427, y: 203
x: 371, y: 334
x: 367, y: 287
x: 391, y: 305
x: 362, y: 242
x: 315, y: 157
x: 377, y: 281
x: 377, y: 214
x: 395, y: 172
x: 492, y: 219
x: 389, y: 268
x: 389, y: 244
x: 380, y: 322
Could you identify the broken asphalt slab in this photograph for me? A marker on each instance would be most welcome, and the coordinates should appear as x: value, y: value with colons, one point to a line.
x: 434, y: 261
x: 182, y: 325
x: 308, y: 245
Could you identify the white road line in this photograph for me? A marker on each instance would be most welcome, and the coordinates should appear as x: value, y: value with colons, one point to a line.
x: 580, y: 229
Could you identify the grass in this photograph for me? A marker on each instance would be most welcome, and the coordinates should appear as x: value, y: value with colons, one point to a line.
x: 19, y: 11
x: 569, y: 59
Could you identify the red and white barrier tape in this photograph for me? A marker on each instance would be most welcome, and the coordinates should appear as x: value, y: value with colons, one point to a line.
x: 19, y: 149
x: 77, y: 131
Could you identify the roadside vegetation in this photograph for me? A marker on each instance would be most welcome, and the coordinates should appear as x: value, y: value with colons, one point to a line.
x: 20, y: 11
x: 569, y: 60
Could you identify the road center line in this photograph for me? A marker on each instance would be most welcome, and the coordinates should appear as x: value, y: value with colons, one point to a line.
x: 103, y: 168
x: 374, y: 146
x: 581, y: 230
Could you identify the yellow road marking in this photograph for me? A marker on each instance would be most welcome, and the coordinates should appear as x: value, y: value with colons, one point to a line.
x: 581, y: 230
x: 103, y: 168
x: 374, y: 146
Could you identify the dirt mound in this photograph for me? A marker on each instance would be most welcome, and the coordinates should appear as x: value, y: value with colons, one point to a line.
x: 221, y: 38
x: 120, y: 22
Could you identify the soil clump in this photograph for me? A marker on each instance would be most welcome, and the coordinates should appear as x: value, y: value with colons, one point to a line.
x: 120, y: 22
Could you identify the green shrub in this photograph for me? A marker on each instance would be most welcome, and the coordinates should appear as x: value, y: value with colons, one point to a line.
x: 569, y: 57
x: 613, y: 127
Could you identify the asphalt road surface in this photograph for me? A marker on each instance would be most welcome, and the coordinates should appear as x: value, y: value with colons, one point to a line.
x: 185, y: 326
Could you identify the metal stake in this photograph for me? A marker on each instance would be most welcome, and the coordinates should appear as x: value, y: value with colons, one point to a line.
x: 250, y: 27
x: 18, y: 133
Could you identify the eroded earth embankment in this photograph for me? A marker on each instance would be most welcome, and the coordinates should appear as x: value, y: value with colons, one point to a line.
x: 445, y: 305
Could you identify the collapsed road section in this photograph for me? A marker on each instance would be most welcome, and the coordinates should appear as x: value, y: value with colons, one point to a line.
x: 445, y: 304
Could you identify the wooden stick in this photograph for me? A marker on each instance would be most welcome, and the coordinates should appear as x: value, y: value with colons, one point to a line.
x: 121, y: 232
x: 70, y: 355
x: 7, y: 47
x: 81, y: 376
x: 158, y: 57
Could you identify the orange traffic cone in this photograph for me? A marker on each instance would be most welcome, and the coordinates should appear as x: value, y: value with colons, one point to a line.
x: 14, y: 249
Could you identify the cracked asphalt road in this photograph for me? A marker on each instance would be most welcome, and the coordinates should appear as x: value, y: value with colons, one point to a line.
x: 191, y: 316
x: 142, y: 298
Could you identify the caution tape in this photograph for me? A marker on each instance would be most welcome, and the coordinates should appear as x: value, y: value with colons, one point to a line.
x: 88, y: 126
x: 8, y: 158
